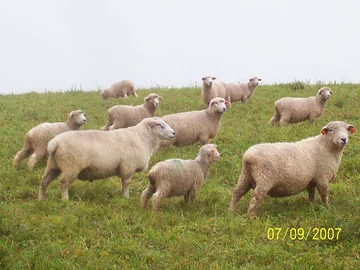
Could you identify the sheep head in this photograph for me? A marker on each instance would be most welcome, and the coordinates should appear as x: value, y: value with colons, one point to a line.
x: 208, y: 80
x: 219, y: 105
x: 153, y: 99
x: 79, y: 116
x: 337, y: 133
x: 325, y: 92
x: 161, y: 129
x: 254, y: 81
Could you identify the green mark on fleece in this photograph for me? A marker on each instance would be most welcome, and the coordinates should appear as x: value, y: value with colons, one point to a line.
x: 178, y: 164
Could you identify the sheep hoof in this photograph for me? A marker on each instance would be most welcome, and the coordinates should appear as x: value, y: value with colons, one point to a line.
x: 252, y: 216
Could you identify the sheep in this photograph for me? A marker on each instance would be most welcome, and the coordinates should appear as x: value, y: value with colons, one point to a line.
x: 178, y: 177
x: 294, y: 110
x: 119, y: 89
x: 194, y: 126
x: 242, y: 91
x: 288, y: 168
x: 212, y: 89
x: 36, y: 140
x: 122, y: 116
x: 95, y: 154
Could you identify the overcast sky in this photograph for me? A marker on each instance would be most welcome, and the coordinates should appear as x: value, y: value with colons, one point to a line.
x: 48, y: 44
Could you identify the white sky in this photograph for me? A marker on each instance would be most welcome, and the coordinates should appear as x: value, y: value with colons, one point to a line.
x: 58, y: 44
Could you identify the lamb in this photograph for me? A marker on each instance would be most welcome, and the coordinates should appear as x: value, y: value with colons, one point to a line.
x: 294, y: 110
x: 36, y: 140
x: 94, y: 154
x: 178, y: 177
x: 119, y: 89
x: 242, y: 91
x: 122, y: 116
x: 288, y: 168
x: 194, y: 126
x: 212, y: 89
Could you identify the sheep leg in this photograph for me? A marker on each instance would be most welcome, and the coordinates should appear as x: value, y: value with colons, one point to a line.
x: 312, y: 120
x: 107, y: 125
x: 115, y: 125
x: 323, y: 191
x: 190, y: 195
x: 203, y: 140
x: 258, y: 195
x: 49, y: 176
x: 125, y: 186
x: 35, y: 158
x: 65, y: 180
x: 311, y: 191
x: 243, y: 186
x: 23, y: 153
x: 275, y: 118
x: 146, y: 195
x: 134, y: 94
x: 283, y: 121
x: 156, y: 200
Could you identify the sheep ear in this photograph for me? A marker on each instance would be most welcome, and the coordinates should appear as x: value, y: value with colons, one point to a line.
x: 259, y: 79
x: 251, y: 80
x: 351, y: 129
x: 324, y: 131
x: 214, y: 78
x: 227, y: 103
x: 152, y: 123
x: 331, y: 92
x: 203, y: 78
x: 160, y: 97
x: 70, y: 115
x: 146, y: 99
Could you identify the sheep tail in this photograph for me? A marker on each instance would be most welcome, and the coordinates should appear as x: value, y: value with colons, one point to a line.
x: 51, y: 148
x: 151, y: 180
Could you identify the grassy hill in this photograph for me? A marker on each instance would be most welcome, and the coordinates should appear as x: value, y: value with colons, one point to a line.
x: 99, y: 229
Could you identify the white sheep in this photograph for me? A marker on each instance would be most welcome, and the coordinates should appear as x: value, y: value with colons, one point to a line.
x: 212, y: 89
x: 194, y: 126
x: 119, y: 89
x: 294, y: 110
x: 94, y: 154
x: 288, y: 168
x: 242, y: 91
x: 178, y: 177
x: 122, y: 116
x: 36, y: 140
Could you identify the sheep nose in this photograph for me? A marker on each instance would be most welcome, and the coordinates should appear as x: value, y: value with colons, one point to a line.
x: 344, y: 140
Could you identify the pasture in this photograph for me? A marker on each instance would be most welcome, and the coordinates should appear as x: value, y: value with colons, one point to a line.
x: 98, y: 229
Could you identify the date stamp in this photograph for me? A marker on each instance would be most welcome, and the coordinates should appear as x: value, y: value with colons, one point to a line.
x: 312, y: 234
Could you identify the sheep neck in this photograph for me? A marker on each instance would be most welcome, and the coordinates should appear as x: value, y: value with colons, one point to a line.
x: 204, y: 165
x: 150, y: 109
x: 214, y: 114
x: 251, y: 87
x: 72, y: 125
x: 152, y: 141
x: 321, y: 101
x: 329, y: 150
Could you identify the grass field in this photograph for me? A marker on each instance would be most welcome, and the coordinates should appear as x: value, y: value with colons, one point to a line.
x: 98, y: 229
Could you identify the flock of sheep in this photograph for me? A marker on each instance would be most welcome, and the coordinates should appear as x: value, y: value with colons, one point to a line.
x: 132, y: 134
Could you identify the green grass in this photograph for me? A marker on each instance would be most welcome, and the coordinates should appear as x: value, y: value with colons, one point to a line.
x: 98, y: 228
